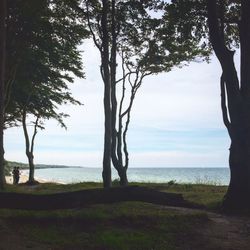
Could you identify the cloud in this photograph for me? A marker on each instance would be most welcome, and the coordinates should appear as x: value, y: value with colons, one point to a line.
x: 176, y: 120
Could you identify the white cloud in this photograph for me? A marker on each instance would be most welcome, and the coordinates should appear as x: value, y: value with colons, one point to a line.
x: 184, y: 99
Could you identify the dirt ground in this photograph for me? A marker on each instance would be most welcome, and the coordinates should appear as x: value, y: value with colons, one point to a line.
x: 222, y: 232
x: 231, y: 233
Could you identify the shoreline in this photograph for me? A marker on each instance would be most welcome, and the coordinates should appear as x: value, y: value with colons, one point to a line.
x: 23, y: 179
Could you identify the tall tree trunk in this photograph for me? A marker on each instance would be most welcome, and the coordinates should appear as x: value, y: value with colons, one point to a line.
x: 106, y: 174
x: 238, y: 194
x: 235, y: 104
x: 29, y: 147
x: 116, y: 157
x: 2, y: 79
x: 122, y: 172
x: 31, y: 168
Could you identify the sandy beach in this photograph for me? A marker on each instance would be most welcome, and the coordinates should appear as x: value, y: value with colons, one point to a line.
x: 23, y: 179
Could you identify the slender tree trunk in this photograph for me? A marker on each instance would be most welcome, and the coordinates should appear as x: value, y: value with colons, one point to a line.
x: 116, y: 157
x: 106, y: 174
x: 113, y: 85
x: 103, y: 47
x: 122, y: 172
x: 31, y: 168
x: 29, y: 148
x: 2, y: 78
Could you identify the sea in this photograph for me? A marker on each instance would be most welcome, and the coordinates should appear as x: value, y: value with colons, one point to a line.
x: 213, y: 176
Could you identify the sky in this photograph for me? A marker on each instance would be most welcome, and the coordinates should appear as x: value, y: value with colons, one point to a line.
x: 176, y: 121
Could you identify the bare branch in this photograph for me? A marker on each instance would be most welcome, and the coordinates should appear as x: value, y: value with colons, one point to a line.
x: 25, y: 131
x: 34, y: 134
x: 102, y: 74
x: 124, y: 76
x: 91, y: 29
x: 119, y: 132
x: 224, y: 105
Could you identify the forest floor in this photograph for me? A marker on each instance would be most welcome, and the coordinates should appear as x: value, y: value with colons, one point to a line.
x: 126, y: 225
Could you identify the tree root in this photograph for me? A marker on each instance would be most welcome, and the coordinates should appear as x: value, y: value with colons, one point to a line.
x: 82, y: 198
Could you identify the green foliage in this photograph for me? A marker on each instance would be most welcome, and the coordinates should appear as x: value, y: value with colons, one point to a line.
x: 153, y: 36
x: 171, y: 182
x: 42, y: 57
x: 116, y: 182
x: 138, y: 39
x: 13, y: 164
x: 186, y: 26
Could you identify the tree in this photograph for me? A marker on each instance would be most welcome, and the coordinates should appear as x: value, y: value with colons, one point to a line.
x: 105, y: 72
x: 235, y: 92
x: 224, y: 25
x: 99, y: 11
x: 108, y: 21
x: 133, y: 44
x: 2, y: 77
x: 43, y: 54
x: 41, y: 104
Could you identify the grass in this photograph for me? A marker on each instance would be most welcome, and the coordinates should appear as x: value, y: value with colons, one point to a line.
x: 125, y: 225
x: 205, y: 194
x: 208, y: 195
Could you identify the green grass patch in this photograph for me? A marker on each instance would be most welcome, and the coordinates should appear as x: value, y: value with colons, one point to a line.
x: 208, y: 195
x: 125, y: 226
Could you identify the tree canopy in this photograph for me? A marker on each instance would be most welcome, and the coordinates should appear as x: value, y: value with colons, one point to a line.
x: 43, y: 57
x: 135, y: 39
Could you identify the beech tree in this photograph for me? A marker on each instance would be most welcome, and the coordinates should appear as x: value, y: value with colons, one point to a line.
x: 133, y: 44
x: 2, y: 77
x: 225, y: 26
x: 115, y: 28
x: 43, y: 58
x: 235, y: 92
x: 34, y: 105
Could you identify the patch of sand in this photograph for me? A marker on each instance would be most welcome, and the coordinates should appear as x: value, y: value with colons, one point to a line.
x: 23, y: 179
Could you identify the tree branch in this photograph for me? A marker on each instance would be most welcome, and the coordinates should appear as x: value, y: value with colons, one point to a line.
x: 225, y: 56
x: 216, y: 37
x: 226, y: 121
x: 124, y: 76
x: 34, y: 134
x: 91, y: 30
x: 25, y: 131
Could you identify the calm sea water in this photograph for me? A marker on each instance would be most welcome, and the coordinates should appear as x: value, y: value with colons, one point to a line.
x: 216, y: 176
